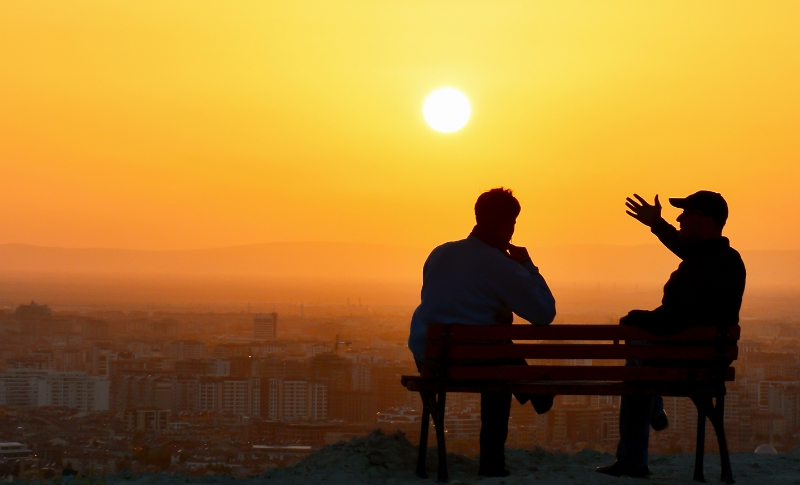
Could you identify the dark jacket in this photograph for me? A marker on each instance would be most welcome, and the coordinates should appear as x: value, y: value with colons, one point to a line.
x: 705, y: 290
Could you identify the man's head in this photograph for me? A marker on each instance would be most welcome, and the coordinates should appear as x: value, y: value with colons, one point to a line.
x: 704, y: 215
x: 496, y: 213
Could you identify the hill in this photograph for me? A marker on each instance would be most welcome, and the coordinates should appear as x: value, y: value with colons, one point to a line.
x: 390, y: 459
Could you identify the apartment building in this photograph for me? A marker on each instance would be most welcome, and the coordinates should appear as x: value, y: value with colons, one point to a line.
x: 265, y: 326
x: 75, y: 390
x: 186, y: 349
x: 237, y: 396
x: 30, y: 388
x: 297, y: 400
x: 146, y: 419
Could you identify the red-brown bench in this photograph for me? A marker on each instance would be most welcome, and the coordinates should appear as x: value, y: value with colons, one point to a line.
x: 450, y: 349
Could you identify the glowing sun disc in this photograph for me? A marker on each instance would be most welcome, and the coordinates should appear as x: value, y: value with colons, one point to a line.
x: 446, y: 110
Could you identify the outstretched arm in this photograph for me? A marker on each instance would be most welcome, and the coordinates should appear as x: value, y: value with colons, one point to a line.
x: 650, y: 215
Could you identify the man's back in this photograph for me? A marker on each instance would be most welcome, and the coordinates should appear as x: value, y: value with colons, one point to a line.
x: 705, y: 290
x: 708, y: 285
x: 483, y: 280
x: 472, y: 283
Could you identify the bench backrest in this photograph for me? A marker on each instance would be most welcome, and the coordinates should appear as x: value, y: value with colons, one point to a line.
x: 697, y: 354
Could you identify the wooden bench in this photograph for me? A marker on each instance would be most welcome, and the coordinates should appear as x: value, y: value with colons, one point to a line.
x: 451, y: 351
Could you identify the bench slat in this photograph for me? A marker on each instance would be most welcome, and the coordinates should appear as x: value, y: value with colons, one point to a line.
x: 568, y: 388
x: 456, y: 352
x: 579, y: 373
x: 567, y: 332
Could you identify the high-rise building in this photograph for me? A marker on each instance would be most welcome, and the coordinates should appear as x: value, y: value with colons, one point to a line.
x: 29, y: 388
x: 297, y: 400
x: 739, y: 410
x: 265, y: 326
x: 318, y: 349
x: 241, y: 396
x: 149, y: 419
x: 333, y: 370
x: 75, y: 390
x: 318, y: 402
x: 186, y: 349
x: 208, y: 394
x: 101, y: 361
x: 185, y: 394
x: 20, y: 387
x: 34, y: 319
x: 241, y: 366
x: 230, y: 395
x: 384, y: 381
x: 361, y: 379
x: 294, y: 400
x: 781, y: 395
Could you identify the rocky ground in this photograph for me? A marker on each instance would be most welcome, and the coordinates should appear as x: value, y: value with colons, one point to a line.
x: 390, y: 459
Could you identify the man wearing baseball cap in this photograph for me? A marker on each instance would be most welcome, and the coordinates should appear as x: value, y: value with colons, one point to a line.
x: 705, y: 290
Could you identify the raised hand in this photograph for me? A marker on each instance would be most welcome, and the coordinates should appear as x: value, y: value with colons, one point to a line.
x: 642, y: 211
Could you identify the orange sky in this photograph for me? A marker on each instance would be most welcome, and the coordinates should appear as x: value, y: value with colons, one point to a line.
x: 162, y: 124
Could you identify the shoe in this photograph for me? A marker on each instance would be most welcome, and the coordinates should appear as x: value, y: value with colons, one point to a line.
x: 660, y: 422
x: 542, y: 403
x: 494, y: 472
x: 617, y: 469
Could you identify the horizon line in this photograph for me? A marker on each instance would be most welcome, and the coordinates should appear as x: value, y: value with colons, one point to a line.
x: 353, y: 243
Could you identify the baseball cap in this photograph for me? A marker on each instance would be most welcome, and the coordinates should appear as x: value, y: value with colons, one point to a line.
x: 709, y: 203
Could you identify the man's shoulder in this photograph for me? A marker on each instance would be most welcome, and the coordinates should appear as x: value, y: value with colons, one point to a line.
x: 735, y: 258
x: 470, y: 250
x: 468, y: 244
x: 735, y: 254
x: 445, y: 251
x: 448, y: 246
x: 732, y: 254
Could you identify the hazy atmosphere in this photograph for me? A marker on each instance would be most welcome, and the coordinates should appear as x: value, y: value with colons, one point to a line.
x: 174, y: 125
x: 215, y: 216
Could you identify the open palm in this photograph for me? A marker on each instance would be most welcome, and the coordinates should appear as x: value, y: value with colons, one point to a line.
x: 642, y: 211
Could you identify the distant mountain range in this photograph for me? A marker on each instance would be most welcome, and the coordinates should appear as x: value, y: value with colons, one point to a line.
x: 354, y: 262
x: 303, y: 261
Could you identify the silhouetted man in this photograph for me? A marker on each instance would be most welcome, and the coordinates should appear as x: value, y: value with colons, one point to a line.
x: 482, y: 280
x: 705, y: 290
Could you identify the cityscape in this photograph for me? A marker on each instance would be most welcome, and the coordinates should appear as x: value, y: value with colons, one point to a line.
x: 241, y: 392
x: 233, y: 235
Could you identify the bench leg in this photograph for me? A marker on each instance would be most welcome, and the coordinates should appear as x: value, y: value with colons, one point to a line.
x: 423, y: 437
x: 701, y: 440
x: 717, y: 418
x: 438, y: 421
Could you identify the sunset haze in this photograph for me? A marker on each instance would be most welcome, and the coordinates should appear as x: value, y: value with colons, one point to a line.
x: 185, y: 125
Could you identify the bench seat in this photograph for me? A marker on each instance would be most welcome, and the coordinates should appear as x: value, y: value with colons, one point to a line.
x: 564, y: 388
x: 694, y: 363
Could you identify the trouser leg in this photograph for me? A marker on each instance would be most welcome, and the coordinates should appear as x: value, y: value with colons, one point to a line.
x: 635, y: 413
x: 495, y: 409
x: 539, y: 401
x: 658, y: 406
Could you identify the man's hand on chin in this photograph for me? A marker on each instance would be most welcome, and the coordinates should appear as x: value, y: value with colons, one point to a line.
x: 518, y: 253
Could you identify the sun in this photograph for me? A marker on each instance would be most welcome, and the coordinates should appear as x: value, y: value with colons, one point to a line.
x: 446, y: 110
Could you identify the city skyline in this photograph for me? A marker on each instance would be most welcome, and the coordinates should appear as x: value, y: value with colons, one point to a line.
x: 269, y: 241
